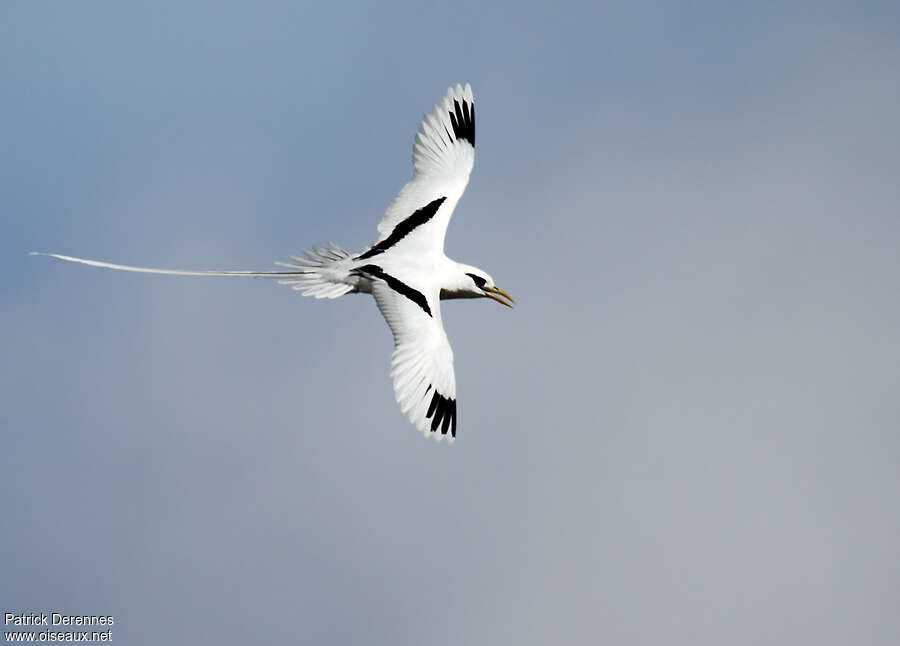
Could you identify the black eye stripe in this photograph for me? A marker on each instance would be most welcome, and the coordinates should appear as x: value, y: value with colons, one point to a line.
x: 479, y: 281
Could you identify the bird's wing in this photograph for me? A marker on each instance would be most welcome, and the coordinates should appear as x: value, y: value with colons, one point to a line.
x: 443, y: 156
x: 422, y: 363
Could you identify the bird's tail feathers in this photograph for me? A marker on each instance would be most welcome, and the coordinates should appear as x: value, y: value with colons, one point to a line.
x: 318, y: 273
x: 170, y: 272
x: 313, y: 275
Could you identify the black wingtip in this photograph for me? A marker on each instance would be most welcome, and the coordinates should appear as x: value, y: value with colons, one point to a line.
x: 462, y: 118
x: 442, y: 412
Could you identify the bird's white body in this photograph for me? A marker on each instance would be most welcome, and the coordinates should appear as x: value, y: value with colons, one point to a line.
x: 405, y: 269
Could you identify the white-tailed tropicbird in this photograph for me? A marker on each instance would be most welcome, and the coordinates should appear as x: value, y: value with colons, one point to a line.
x: 405, y: 269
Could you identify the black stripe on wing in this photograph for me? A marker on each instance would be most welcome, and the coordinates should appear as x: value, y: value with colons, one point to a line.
x: 404, y: 228
x: 442, y: 412
x: 462, y: 117
x: 397, y: 285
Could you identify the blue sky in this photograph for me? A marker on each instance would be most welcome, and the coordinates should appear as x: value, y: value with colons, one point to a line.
x: 686, y: 431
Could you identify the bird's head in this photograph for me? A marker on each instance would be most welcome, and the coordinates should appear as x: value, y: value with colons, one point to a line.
x: 483, y: 286
x: 476, y: 283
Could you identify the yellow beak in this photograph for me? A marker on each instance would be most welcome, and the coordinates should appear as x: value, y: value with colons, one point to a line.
x: 492, y: 293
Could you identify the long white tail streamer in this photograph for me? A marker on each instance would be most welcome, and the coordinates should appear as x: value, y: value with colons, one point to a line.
x: 172, y: 272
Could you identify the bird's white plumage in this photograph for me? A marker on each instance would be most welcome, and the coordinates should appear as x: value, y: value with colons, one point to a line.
x: 405, y: 269
x: 318, y: 272
x: 422, y: 362
x: 442, y: 163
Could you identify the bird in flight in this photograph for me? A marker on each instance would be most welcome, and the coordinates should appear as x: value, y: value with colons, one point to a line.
x: 405, y: 269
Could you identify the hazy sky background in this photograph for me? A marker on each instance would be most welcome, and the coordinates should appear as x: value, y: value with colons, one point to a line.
x: 685, y: 433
